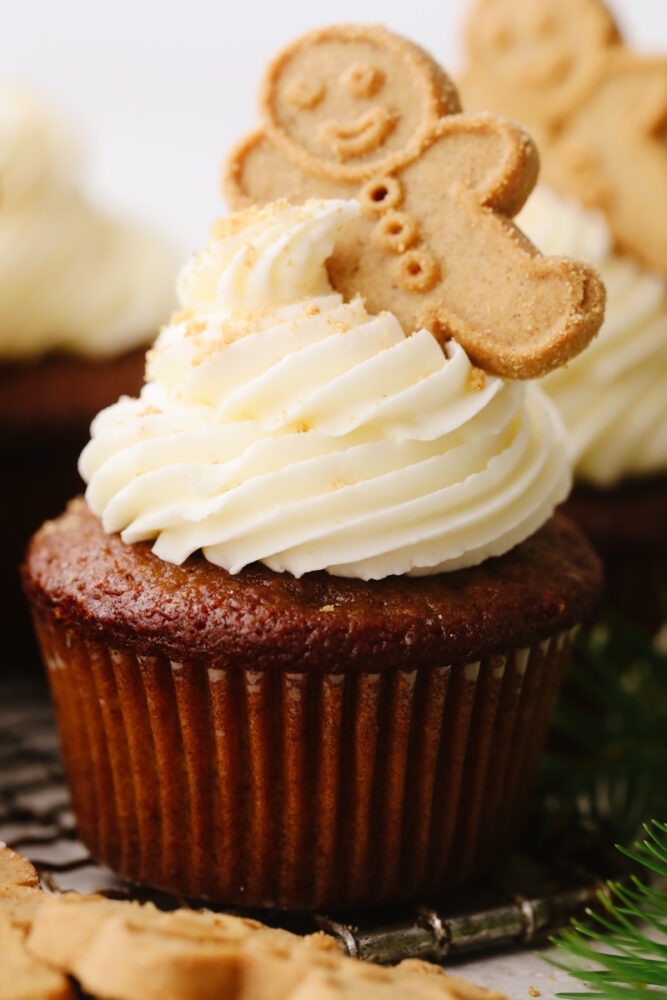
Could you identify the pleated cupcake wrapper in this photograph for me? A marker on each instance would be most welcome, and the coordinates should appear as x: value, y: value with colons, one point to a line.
x: 298, y: 789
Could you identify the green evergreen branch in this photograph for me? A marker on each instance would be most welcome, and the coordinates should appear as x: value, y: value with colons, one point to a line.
x: 606, y: 765
x: 623, y: 953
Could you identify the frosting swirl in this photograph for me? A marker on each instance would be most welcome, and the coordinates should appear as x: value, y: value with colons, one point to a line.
x: 613, y: 396
x: 71, y: 277
x: 282, y: 424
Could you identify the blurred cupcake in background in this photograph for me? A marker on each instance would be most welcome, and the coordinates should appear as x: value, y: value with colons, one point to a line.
x: 613, y: 397
x: 598, y: 111
x: 81, y: 294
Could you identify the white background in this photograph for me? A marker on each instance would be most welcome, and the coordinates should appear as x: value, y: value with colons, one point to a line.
x: 160, y: 90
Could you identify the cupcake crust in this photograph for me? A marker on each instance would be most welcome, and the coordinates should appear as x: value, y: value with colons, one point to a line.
x: 127, y: 596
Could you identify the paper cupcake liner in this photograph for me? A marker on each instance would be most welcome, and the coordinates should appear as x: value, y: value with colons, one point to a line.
x: 298, y: 789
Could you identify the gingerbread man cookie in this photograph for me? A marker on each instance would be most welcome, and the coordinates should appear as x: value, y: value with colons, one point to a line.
x: 130, y: 951
x: 352, y: 111
x: 133, y: 951
x: 598, y: 109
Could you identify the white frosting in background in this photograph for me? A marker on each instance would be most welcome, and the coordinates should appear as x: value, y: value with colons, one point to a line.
x: 281, y: 424
x: 261, y: 259
x: 71, y: 277
x: 613, y: 396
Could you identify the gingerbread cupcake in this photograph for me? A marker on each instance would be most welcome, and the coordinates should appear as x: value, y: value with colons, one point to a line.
x: 81, y: 294
x: 305, y: 634
x: 598, y: 110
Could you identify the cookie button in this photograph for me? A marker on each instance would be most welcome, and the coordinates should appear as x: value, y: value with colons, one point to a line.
x: 396, y: 231
x: 381, y: 194
x: 418, y: 270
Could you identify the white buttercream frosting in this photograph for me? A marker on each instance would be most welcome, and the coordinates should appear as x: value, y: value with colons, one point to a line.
x: 71, y: 277
x: 282, y: 424
x: 613, y: 396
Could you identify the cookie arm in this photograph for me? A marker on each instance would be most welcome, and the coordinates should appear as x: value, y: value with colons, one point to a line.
x: 540, y: 313
x: 257, y: 172
x: 544, y: 310
x: 492, y: 156
x: 234, y: 186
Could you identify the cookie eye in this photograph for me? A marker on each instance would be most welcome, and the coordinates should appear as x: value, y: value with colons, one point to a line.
x: 304, y: 93
x: 362, y: 79
x: 542, y: 23
x: 502, y: 38
x: 499, y: 34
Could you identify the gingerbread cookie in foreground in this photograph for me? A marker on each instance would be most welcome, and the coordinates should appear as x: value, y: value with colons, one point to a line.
x: 129, y: 951
x: 23, y: 976
x: 597, y: 108
x: 352, y: 111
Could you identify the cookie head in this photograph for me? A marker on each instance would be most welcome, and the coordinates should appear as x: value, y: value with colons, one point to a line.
x: 351, y: 100
x: 544, y: 52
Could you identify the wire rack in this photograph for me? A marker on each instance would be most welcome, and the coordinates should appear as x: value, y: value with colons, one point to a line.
x: 521, y: 905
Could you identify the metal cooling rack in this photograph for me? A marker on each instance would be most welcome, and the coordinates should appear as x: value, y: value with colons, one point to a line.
x: 524, y: 902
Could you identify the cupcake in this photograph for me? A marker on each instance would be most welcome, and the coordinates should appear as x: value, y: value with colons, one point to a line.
x: 562, y: 68
x: 81, y: 294
x: 613, y: 398
x: 305, y: 633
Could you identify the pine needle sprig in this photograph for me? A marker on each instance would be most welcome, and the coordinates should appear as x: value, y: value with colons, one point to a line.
x: 622, y: 955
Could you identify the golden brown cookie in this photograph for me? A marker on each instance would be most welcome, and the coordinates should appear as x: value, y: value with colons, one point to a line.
x: 22, y: 975
x: 598, y: 110
x: 67, y: 924
x: 16, y: 874
x: 130, y: 952
x: 352, y: 111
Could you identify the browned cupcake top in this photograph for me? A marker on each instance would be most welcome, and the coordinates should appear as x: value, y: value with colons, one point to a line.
x: 127, y: 596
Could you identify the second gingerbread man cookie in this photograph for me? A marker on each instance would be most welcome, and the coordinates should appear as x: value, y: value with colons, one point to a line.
x: 598, y: 108
x: 352, y: 111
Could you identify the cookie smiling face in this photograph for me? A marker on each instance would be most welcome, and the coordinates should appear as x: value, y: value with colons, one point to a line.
x: 348, y: 100
x: 531, y: 50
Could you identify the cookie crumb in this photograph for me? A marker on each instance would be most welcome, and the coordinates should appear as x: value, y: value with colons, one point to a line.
x: 476, y: 379
x: 194, y: 327
x: 532, y: 992
x: 181, y: 316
